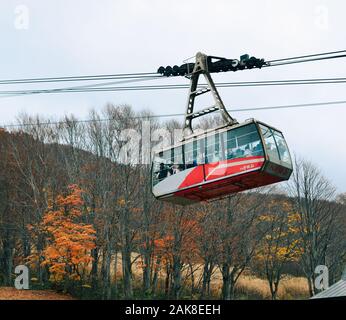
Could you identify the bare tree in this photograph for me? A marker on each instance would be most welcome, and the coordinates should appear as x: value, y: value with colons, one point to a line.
x: 238, y: 237
x: 312, y: 197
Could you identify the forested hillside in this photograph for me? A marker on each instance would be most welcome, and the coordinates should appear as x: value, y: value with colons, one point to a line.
x: 79, y: 212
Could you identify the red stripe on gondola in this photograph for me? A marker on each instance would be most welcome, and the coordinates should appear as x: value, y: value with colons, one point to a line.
x: 228, y: 185
x: 194, y: 177
x: 232, y: 167
x: 221, y: 169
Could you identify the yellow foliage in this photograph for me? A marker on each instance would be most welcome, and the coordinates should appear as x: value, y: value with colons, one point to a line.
x: 282, y: 241
x: 121, y: 202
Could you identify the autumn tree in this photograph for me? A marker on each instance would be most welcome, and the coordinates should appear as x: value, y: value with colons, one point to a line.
x: 281, y: 243
x: 163, y: 260
x: 176, y: 250
x: 69, y: 240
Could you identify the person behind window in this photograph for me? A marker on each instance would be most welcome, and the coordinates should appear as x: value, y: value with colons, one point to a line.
x: 247, y: 152
x: 258, y: 149
x: 239, y: 153
x: 272, y: 151
x: 230, y: 154
x: 269, y: 146
x: 175, y: 169
x: 190, y: 165
x: 216, y: 157
x: 163, y: 172
x: 282, y: 149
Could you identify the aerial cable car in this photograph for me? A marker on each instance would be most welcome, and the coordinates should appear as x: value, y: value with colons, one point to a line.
x: 231, y: 158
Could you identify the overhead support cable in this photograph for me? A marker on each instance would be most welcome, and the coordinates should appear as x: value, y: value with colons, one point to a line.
x: 80, y: 78
x: 105, y: 86
x: 171, y: 115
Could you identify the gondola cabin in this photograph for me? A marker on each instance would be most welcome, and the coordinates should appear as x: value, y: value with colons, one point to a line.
x: 219, y: 162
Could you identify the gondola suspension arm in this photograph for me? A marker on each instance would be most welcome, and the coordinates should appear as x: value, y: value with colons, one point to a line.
x: 205, y: 65
x: 201, y: 68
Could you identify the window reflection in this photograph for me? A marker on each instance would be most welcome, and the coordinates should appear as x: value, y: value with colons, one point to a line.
x: 275, y: 145
x: 282, y: 147
x: 243, y: 142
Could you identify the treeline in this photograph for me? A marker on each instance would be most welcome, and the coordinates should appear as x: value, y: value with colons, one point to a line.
x: 78, y: 210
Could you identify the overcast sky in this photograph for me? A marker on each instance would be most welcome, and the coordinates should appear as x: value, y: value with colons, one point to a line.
x: 62, y: 38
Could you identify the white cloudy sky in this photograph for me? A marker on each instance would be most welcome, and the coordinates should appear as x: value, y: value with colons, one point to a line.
x: 114, y: 36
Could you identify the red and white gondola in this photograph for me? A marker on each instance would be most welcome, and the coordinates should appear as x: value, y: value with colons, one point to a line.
x: 228, y: 159
x: 220, y: 162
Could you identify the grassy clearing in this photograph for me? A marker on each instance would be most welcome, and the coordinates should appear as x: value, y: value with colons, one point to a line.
x: 248, y: 286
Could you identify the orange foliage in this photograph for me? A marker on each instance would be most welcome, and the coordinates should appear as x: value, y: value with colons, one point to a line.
x: 164, y: 247
x: 69, y: 240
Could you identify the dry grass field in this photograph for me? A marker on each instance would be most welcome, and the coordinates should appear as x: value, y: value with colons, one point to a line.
x: 248, y: 286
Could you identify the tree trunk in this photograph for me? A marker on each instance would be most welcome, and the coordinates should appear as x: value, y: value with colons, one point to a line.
x: 107, y: 256
x: 146, y: 270
x: 127, y: 273
x: 147, y: 248
x: 94, y: 267
x: 207, y: 271
x: 7, y: 260
x: 167, y: 280
x: 232, y: 287
x: 226, y: 281
x: 176, y: 277
x: 126, y: 256
x: 155, y: 276
x: 192, y: 280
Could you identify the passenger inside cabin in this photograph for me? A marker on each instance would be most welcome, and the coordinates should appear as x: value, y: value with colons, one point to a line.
x: 258, y: 150
x: 282, y: 149
x: 191, y: 164
x: 200, y: 159
x: 216, y: 157
x: 247, y: 152
x: 272, y: 151
x: 176, y: 169
x: 163, y: 172
x: 230, y: 154
x: 239, y: 153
